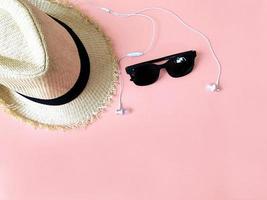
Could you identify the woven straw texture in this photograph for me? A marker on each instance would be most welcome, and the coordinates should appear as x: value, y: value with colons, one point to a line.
x: 38, y: 65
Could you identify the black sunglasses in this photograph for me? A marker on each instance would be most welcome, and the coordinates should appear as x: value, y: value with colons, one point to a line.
x: 177, y: 65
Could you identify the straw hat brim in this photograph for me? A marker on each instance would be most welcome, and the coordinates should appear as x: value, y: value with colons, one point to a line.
x: 98, y: 91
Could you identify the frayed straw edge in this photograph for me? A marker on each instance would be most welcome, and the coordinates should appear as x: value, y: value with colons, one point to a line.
x: 11, y: 108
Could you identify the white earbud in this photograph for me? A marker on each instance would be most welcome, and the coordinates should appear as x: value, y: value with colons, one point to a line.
x: 121, y: 111
x: 213, y: 87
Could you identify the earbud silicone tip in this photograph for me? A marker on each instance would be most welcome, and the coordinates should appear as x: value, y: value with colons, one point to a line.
x: 213, y: 87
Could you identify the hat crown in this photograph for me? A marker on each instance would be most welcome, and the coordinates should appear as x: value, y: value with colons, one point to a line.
x: 38, y: 57
x: 21, y: 49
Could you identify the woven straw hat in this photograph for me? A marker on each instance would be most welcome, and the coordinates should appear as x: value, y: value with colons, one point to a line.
x: 57, y: 68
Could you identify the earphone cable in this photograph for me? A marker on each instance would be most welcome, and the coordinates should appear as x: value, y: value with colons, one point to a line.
x: 212, y: 87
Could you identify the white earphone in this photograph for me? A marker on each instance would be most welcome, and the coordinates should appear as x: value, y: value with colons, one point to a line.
x: 212, y: 87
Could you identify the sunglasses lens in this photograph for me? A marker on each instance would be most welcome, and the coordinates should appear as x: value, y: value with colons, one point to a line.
x: 180, y: 66
x: 145, y: 74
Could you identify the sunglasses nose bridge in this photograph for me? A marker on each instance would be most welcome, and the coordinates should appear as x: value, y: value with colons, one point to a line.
x: 163, y: 66
x: 160, y: 66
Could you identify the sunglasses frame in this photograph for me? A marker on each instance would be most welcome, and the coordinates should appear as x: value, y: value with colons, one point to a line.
x: 131, y: 69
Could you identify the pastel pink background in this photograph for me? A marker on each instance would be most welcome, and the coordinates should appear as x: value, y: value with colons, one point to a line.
x: 180, y: 142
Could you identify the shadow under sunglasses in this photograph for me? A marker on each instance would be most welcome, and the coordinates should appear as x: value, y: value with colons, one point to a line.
x: 177, y: 65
